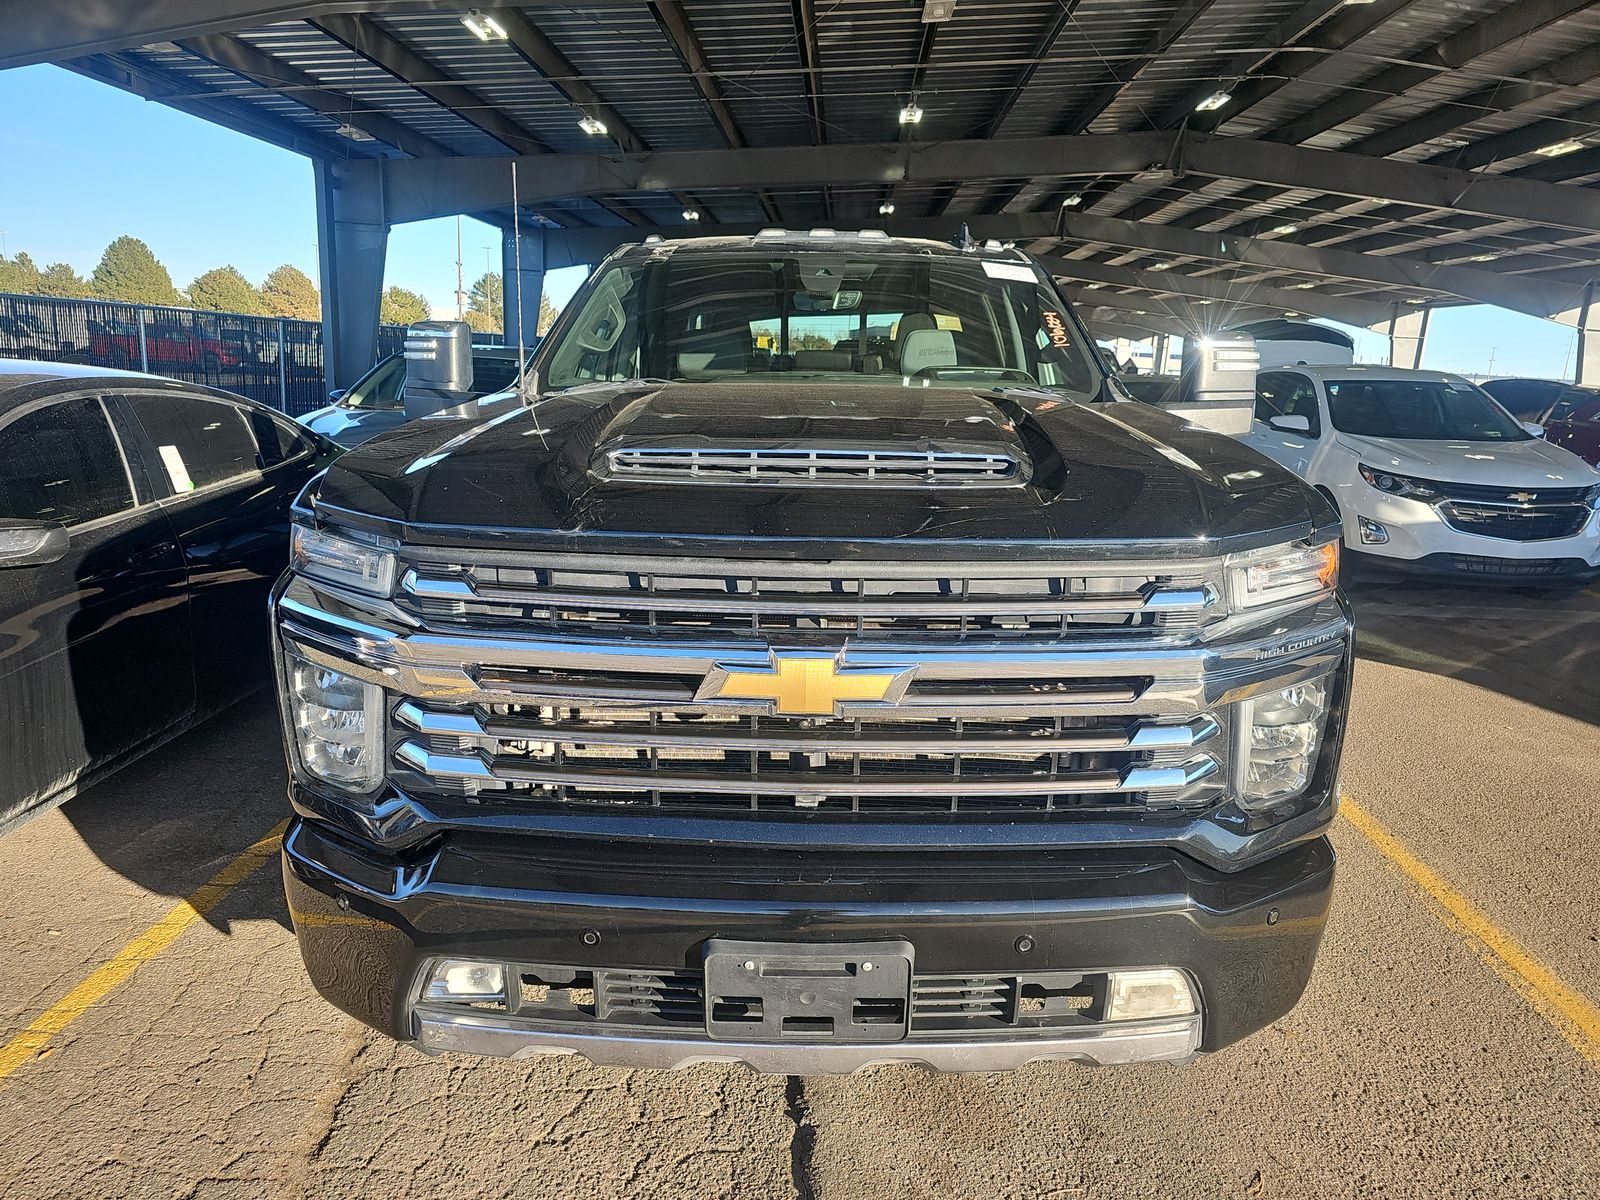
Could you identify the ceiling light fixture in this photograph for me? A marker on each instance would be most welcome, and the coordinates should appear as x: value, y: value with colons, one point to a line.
x: 593, y: 126
x: 1280, y: 230
x: 1302, y: 287
x: 1557, y: 149
x: 691, y: 214
x: 1415, y: 300
x: 1203, y: 301
x: 1073, y: 200
x: 934, y: 11
x: 1090, y: 287
x: 1483, y: 258
x: 911, y: 114
x: 485, y: 29
x: 1161, y: 266
x: 1213, y: 102
x: 886, y: 209
x: 354, y: 134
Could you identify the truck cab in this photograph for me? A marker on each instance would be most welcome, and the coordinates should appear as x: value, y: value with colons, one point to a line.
x: 828, y: 664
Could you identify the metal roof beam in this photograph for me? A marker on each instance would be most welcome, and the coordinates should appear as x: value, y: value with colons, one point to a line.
x: 288, y: 81
x: 1046, y: 41
x: 66, y: 29
x: 411, y: 69
x: 558, y: 70
x: 1125, y: 71
x: 421, y: 189
x: 1220, y: 292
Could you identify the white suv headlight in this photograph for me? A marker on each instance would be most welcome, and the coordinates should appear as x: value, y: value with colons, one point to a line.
x: 1279, y: 735
x: 337, y: 722
x: 1275, y: 574
x: 350, y: 559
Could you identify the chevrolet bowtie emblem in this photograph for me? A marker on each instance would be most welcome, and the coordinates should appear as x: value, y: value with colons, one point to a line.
x: 805, y: 685
x: 1524, y: 497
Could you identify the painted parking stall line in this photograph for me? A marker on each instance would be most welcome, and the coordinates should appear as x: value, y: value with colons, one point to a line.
x: 28, y: 1044
x: 1572, y: 1014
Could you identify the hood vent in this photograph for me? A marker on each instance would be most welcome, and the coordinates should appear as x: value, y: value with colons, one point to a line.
x: 799, y: 466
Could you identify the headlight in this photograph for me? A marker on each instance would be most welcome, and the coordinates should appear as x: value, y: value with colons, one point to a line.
x: 1279, y: 737
x: 1399, y: 485
x: 337, y: 722
x: 1279, y: 573
x: 344, y: 558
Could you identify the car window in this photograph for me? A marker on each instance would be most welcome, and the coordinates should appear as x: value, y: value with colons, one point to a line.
x: 62, y: 463
x: 277, y: 439
x: 197, y: 442
x: 380, y: 389
x: 1524, y: 399
x: 1573, y: 401
x: 1287, y: 394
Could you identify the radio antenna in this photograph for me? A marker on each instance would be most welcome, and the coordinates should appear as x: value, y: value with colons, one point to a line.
x: 516, y: 255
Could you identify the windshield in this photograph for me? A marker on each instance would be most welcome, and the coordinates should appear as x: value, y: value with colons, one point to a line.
x: 805, y: 316
x: 1420, y: 410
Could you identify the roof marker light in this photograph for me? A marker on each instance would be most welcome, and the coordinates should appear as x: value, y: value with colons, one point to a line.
x: 1214, y: 101
x: 484, y: 28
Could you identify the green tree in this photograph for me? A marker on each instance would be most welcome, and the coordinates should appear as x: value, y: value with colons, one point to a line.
x: 19, y: 274
x: 402, y: 307
x: 129, y: 271
x: 485, y: 303
x: 225, y: 289
x: 547, y: 315
x: 59, y: 279
x: 288, y: 292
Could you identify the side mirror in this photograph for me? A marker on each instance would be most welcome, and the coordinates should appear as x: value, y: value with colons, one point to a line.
x: 1534, y: 428
x: 1291, y: 424
x: 337, y: 394
x: 33, y: 543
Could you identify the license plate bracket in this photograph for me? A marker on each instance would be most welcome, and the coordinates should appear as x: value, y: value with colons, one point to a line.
x: 807, y: 991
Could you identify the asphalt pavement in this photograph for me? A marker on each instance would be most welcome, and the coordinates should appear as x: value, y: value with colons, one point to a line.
x: 152, y: 1047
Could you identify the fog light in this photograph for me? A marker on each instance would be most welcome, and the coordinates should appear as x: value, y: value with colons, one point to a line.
x: 1135, y: 995
x: 337, y: 723
x: 1372, y: 533
x: 1279, y: 736
x: 455, y: 979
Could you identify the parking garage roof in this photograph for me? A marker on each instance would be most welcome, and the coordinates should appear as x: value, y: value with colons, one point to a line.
x: 1178, y: 161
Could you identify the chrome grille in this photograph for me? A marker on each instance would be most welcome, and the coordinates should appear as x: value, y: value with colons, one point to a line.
x: 591, y: 595
x: 731, y: 762
x: 1511, y: 521
x: 814, y: 467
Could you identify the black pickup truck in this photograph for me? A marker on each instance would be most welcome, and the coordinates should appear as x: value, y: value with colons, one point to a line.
x: 827, y: 665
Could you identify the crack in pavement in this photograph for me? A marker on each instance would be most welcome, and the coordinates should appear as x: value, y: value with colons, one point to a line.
x: 803, y: 1142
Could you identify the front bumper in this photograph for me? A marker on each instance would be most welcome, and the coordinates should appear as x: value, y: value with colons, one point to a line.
x: 371, y: 926
x: 1420, y: 538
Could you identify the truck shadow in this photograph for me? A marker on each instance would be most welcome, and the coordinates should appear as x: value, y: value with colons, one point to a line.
x: 176, y: 817
x: 1537, y: 645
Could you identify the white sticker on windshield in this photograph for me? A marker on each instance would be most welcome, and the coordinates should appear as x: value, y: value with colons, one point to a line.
x: 177, y: 472
x: 1021, y: 272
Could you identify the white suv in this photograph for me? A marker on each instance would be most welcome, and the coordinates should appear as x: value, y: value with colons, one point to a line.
x: 1427, y: 470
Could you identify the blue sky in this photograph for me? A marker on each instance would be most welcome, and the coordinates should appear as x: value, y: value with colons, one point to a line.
x: 107, y: 163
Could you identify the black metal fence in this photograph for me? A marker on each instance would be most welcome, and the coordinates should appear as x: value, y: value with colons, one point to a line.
x: 275, y: 360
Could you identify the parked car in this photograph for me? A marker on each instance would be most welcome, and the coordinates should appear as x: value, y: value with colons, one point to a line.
x: 375, y: 403
x: 1569, y: 415
x: 1428, y: 472
x: 769, y: 690
x: 142, y: 524
x: 188, y: 345
x: 27, y: 335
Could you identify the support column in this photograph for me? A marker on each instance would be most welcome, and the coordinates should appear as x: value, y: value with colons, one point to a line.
x: 352, y: 240
x: 1407, y: 330
x: 1158, y: 363
x: 1587, y: 369
x: 522, y: 311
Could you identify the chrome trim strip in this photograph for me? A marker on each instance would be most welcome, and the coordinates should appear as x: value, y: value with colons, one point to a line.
x: 439, y: 1030
x: 1128, y: 779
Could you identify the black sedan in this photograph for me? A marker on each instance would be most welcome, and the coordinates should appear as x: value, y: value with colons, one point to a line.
x: 142, y: 524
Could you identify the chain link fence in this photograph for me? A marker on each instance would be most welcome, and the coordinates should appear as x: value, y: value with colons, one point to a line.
x: 275, y: 360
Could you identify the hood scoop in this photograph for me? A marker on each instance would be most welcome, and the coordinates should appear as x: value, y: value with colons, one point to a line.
x: 821, y: 465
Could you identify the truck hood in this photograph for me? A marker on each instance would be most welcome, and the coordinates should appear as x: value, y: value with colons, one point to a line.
x: 1112, y: 480
x: 1530, y: 463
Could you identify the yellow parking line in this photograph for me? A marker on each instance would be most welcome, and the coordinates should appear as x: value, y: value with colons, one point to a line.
x: 27, y: 1044
x: 1574, y: 1016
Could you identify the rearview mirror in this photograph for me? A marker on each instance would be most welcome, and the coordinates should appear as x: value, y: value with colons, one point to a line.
x: 1534, y: 428
x: 1291, y: 424
x: 33, y: 543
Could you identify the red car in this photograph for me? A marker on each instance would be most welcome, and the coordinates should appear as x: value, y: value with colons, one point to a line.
x: 1570, y: 415
x: 167, y: 344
